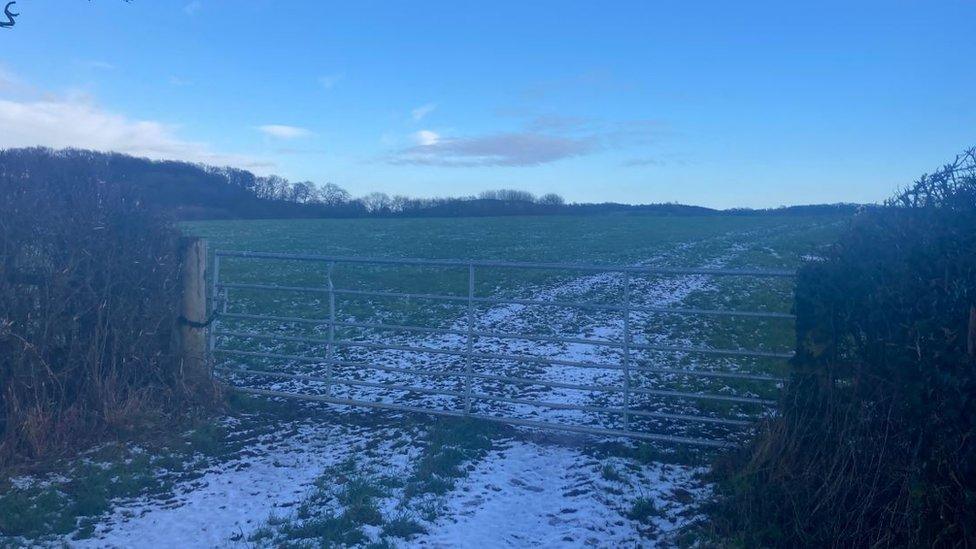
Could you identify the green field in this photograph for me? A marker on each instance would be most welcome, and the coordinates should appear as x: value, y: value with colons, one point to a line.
x: 720, y: 241
x: 596, y: 239
x: 760, y: 242
x: 765, y: 242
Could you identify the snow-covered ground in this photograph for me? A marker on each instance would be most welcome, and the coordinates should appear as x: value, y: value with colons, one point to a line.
x: 233, y: 498
x: 527, y: 490
x: 538, y: 495
x: 524, y: 492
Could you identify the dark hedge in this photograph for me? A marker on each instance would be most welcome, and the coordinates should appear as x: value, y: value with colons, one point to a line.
x: 876, y: 441
x: 89, y: 297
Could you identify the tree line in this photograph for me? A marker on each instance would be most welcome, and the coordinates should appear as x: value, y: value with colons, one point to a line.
x: 196, y: 191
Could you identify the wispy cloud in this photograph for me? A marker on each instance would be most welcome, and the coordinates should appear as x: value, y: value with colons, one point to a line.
x: 9, y: 81
x: 426, y: 137
x: 658, y: 160
x: 544, y: 138
x: 558, y: 123
x: 631, y: 133
x: 641, y: 162
x: 591, y: 82
x: 282, y: 131
x: 330, y: 80
x: 422, y: 111
x: 503, y: 149
x: 99, y: 65
x: 193, y: 7
x: 298, y: 151
x: 77, y: 121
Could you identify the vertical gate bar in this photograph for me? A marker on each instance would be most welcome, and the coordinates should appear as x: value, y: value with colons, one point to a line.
x: 626, y: 350
x: 470, y: 342
x: 332, y: 320
x: 214, y: 288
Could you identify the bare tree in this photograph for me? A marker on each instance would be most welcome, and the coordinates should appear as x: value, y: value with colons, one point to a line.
x: 376, y: 202
x: 273, y: 187
x: 400, y: 203
x: 551, y: 199
x: 333, y: 195
x: 508, y: 195
x: 302, y: 192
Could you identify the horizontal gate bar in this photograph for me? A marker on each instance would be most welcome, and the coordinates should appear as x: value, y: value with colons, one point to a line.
x: 512, y: 421
x: 511, y: 264
x: 512, y: 301
x: 551, y: 339
x: 710, y: 351
x: 520, y: 358
x: 599, y: 388
x: 513, y: 358
x: 487, y: 377
x: 476, y: 396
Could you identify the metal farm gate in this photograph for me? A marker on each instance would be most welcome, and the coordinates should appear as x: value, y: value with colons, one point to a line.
x: 280, y: 333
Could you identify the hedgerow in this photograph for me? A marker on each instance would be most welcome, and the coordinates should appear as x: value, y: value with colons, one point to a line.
x: 89, y: 301
x: 875, y: 444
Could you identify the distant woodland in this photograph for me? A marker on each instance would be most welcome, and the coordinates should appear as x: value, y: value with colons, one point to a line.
x: 192, y: 191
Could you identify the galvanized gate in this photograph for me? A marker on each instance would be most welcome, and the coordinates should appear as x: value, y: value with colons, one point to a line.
x: 307, y: 346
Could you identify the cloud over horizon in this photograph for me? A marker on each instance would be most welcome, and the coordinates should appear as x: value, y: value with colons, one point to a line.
x: 77, y: 121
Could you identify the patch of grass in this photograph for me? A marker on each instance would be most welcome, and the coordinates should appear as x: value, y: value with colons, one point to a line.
x: 209, y: 440
x: 364, y: 513
x: 261, y: 534
x: 359, y: 497
x: 431, y: 485
x: 328, y: 530
x: 93, y: 486
x: 90, y: 491
x: 450, y: 442
x: 86, y: 528
x: 643, y: 510
x: 610, y: 474
x: 33, y: 512
x: 428, y: 510
x: 443, y: 462
x: 403, y: 526
x: 681, y: 454
x: 84, y: 488
x: 390, y: 482
x: 170, y: 461
x: 360, y: 490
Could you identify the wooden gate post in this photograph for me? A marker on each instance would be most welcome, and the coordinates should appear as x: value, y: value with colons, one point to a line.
x: 193, y: 311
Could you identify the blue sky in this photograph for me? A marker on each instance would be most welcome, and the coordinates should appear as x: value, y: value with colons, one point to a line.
x: 713, y: 103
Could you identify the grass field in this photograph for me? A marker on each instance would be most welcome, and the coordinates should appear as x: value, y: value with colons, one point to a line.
x: 594, y: 239
x: 763, y: 242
